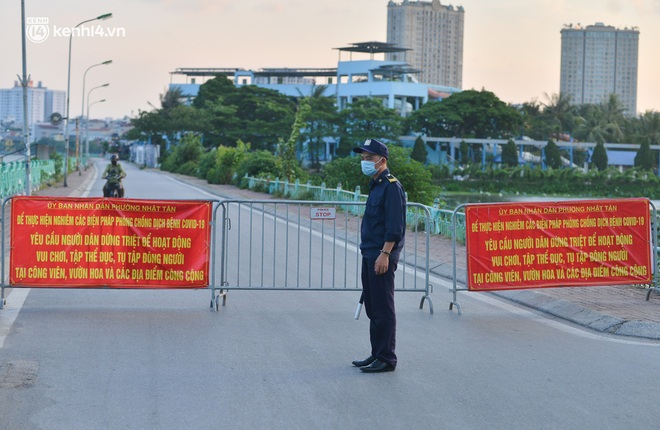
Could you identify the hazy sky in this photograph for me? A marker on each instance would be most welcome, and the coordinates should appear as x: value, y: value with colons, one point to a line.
x: 512, y: 47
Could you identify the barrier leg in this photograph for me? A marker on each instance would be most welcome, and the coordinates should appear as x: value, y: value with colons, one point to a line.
x: 215, y: 299
x: 421, y: 303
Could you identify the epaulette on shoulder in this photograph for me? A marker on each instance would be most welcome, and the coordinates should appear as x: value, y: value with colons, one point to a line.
x: 391, y: 178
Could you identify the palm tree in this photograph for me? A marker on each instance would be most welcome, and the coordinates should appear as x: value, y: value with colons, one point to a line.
x: 171, y: 98
x: 591, y: 125
x: 613, y: 117
x: 647, y: 133
x: 649, y: 127
x: 560, y: 112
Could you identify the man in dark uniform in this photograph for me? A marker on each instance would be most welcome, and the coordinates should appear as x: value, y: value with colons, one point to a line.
x: 382, y: 236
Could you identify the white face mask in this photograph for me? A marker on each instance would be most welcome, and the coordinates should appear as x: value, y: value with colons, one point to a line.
x: 369, y: 167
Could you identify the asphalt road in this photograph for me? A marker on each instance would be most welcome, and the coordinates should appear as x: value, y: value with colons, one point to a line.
x: 153, y: 359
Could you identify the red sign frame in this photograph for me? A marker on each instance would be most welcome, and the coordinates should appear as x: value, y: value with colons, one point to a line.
x: 567, y: 243
x: 111, y: 243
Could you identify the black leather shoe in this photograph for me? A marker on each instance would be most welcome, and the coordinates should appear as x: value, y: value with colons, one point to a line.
x: 367, y: 361
x: 378, y: 366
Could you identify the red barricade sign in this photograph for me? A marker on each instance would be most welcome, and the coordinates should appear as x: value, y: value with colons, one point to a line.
x: 115, y: 243
x: 568, y: 243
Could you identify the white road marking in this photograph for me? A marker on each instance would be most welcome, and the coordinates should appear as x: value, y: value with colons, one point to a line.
x: 10, y: 311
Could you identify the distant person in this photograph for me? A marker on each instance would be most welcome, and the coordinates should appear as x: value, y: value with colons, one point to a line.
x: 382, y: 235
x: 113, y: 174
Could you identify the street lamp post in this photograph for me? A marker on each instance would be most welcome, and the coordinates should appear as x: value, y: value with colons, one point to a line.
x: 26, y: 134
x: 87, y: 123
x: 68, y: 95
x: 82, y: 107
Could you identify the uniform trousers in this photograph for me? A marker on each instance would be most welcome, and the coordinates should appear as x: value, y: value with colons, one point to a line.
x: 378, y: 296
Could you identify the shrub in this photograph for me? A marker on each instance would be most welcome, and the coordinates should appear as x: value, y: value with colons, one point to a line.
x: 510, y: 154
x: 206, y: 164
x: 189, y: 168
x: 260, y: 164
x: 225, y: 163
x: 552, y: 155
x: 189, y: 149
x: 599, y: 157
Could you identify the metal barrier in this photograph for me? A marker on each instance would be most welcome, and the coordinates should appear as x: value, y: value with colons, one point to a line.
x: 263, y: 245
x: 308, y: 245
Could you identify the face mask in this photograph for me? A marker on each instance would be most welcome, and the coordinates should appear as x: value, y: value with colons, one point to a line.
x: 369, y: 167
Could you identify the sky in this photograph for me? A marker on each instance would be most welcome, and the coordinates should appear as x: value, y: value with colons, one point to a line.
x: 511, y: 47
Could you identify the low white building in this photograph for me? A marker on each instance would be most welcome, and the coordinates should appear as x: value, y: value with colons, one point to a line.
x: 394, y: 82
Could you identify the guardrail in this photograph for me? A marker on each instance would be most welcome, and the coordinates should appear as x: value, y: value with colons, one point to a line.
x: 12, y: 176
x: 133, y: 243
x: 441, y: 220
x: 308, y: 246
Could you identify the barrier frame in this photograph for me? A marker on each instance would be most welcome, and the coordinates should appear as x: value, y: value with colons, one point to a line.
x: 220, y: 288
x: 654, y: 246
x: 409, y: 261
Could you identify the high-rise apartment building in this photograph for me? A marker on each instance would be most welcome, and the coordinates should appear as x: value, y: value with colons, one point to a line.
x: 42, y: 102
x: 434, y: 34
x: 599, y: 60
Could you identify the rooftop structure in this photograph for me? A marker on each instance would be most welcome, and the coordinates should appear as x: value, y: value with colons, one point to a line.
x: 392, y: 81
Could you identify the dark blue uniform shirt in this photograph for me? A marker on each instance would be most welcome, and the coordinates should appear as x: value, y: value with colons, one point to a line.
x: 384, y: 216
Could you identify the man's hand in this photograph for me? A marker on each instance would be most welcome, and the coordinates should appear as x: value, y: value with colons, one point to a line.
x: 382, y: 264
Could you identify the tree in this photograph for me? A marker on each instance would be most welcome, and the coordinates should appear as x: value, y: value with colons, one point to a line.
x: 259, y: 164
x: 221, y: 116
x: 552, y: 155
x: 645, y: 158
x: 364, y: 119
x: 214, y: 91
x: 321, y: 124
x: 560, y: 113
x: 648, y: 128
x: 345, y: 171
x: 510, y: 154
x: 591, y: 125
x: 599, y: 157
x: 250, y: 113
x: 415, y: 178
x: 167, y: 124
x: 419, y: 152
x: 185, y: 156
x: 261, y: 116
x: 535, y: 125
x: 470, y: 113
x: 613, y: 111
x: 171, y: 98
x: 288, y: 148
x: 226, y: 159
